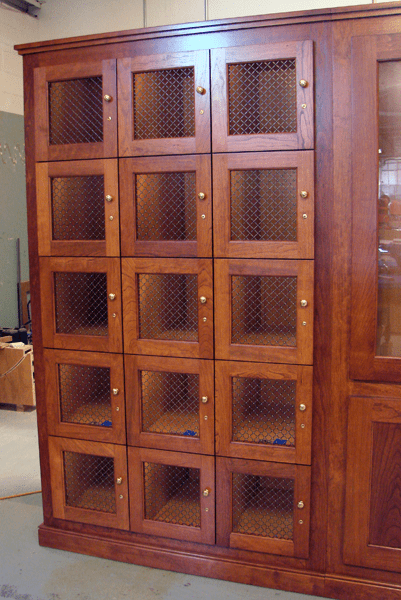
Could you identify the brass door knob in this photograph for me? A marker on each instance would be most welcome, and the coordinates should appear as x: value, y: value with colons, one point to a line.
x: 300, y: 504
x: 304, y: 303
x: 115, y: 391
x: 112, y: 296
x: 205, y: 399
x: 107, y: 98
x: 109, y: 198
x: 206, y: 492
x: 200, y: 89
x: 302, y: 407
x: 119, y: 480
x: 202, y: 300
x: 304, y: 194
x: 303, y: 83
x: 201, y: 196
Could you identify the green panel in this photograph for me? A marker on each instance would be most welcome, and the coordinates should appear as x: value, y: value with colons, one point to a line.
x: 13, y: 217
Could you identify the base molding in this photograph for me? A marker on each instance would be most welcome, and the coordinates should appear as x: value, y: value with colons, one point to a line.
x: 209, y: 565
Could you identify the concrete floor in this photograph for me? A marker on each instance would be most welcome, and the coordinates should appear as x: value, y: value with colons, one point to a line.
x: 29, y: 572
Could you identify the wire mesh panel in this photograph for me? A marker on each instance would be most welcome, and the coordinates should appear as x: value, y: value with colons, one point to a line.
x: 170, y: 403
x: 78, y: 208
x: 89, y: 481
x: 263, y: 205
x: 263, y: 411
x: 262, y: 506
x: 81, y: 303
x: 165, y: 206
x: 84, y: 393
x: 164, y: 104
x: 264, y: 310
x: 76, y: 111
x: 168, y: 306
x: 262, y: 97
x: 172, y: 494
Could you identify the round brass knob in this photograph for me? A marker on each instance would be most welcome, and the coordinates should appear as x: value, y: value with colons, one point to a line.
x: 304, y: 194
x: 201, y: 196
x: 109, y: 198
x: 107, y: 98
x: 112, y: 296
x: 302, y: 407
x: 303, y: 83
x: 300, y: 504
x: 206, y: 492
x: 200, y: 89
x: 304, y: 303
x: 119, y: 480
x: 205, y: 399
x: 115, y: 391
x: 202, y: 300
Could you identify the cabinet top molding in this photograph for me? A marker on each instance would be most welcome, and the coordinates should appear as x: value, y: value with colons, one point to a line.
x: 221, y: 25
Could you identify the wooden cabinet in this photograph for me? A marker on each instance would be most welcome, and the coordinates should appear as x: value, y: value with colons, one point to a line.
x: 214, y: 215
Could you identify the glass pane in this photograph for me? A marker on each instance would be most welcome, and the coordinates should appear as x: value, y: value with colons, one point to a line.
x: 389, y: 211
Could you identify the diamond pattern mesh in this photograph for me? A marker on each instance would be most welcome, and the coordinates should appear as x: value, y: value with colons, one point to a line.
x: 81, y: 303
x: 264, y: 310
x: 170, y: 403
x: 262, y: 97
x: 263, y: 506
x: 89, y: 482
x: 172, y: 494
x: 263, y: 205
x: 84, y: 393
x: 76, y: 111
x: 78, y: 208
x: 263, y: 411
x: 165, y: 206
x: 164, y: 104
x: 168, y: 306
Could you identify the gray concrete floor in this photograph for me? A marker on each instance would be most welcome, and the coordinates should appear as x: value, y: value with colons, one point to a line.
x: 29, y: 572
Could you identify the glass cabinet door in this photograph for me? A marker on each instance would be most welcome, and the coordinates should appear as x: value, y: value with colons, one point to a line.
x: 85, y: 395
x: 78, y: 208
x: 81, y: 303
x: 262, y: 97
x: 164, y: 104
x: 376, y: 168
x: 76, y: 111
x: 263, y: 205
x: 168, y: 307
x: 172, y: 494
x: 89, y: 482
x: 263, y: 506
x: 264, y: 310
x: 166, y: 206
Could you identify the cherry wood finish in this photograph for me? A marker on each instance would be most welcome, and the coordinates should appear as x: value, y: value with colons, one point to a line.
x: 115, y: 433
x: 202, y: 443
x: 130, y: 245
x: 139, y: 523
x: 300, y: 452
x: 373, y: 534
x: 299, y: 545
x: 48, y: 246
x: 200, y: 143
x: 42, y: 76
x: 111, y: 342
x: 224, y: 246
x: 120, y: 518
x: 133, y: 344
x: 302, y: 351
x: 364, y: 364
x: 303, y: 138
